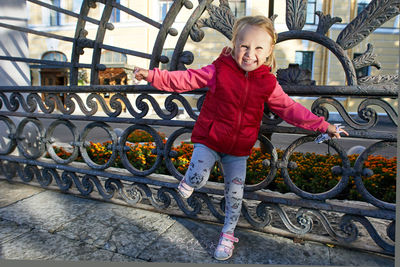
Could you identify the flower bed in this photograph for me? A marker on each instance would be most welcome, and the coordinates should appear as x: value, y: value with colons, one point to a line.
x: 313, y: 173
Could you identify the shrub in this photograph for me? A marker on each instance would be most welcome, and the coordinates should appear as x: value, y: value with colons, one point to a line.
x: 142, y: 136
x: 313, y: 173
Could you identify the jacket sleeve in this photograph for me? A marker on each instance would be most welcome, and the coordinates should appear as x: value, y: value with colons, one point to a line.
x: 182, y: 81
x: 294, y: 113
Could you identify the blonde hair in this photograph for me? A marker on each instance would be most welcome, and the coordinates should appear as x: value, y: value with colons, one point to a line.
x: 262, y: 22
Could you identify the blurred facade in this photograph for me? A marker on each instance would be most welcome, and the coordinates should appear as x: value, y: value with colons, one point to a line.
x: 130, y: 33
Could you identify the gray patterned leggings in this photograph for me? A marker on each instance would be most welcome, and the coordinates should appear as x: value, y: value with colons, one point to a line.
x: 234, y: 169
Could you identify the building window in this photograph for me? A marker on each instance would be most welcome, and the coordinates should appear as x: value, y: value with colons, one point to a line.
x: 76, y: 6
x: 113, y: 58
x: 361, y: 4
x: 54, y: 56
x: 305, y: 59
x: 55, y: 17
x: 164, y: 8
x: 168, y: 52
x: 364, y: 71
x: 115, y: 14
x: 238, y: 7
x: 311, y: 8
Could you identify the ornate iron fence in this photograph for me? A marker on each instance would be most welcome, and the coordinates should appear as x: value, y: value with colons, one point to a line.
x: 25, y: 159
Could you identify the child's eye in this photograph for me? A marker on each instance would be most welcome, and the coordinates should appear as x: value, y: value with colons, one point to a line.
x: 259, y: 47
x: 244, y: 46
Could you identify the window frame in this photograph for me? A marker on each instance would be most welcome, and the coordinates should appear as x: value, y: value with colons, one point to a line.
x: 55, y: 15
x: 108, y: 57
x: 238, y: 13
x: 61, y: 54
x: 311, y: 61
x: 115, y: 16
x: 314, y: 20
x: 161, y: 3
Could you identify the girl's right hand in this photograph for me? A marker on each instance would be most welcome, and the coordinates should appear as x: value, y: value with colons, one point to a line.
x: 140, y: 74
x: 335, y: 130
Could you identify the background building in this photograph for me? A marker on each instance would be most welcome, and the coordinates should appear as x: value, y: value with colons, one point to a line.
x: 132, y: 33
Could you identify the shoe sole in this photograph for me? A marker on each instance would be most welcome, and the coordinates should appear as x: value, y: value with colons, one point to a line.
x: 222, y: 259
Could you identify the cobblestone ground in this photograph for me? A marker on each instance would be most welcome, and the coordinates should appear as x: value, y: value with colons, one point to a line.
x: 39, y: 224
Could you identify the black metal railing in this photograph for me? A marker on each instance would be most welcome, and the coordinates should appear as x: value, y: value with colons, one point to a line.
x: 26, y: 139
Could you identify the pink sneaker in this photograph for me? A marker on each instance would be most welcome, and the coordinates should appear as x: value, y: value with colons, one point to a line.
x: 225, y: 246
x: 184, y: 189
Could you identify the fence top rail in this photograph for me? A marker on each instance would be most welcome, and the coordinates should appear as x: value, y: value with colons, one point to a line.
x: 377, y: 90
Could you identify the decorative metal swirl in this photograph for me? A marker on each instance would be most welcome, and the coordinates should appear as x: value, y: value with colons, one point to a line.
x: 376, y: 13
x: 165, y: 199
x: 161, y: 199
x: 9, y: 169
x: 272, y: 164
x: 31, y: 145
x: 368, y: 58
x: 263, y: 214
x: 369, y: 115
x: 379, y: 79
x: 296, y: 14
x: 221, y: 18
x: 333, y: 47
x: 304, y: 221
x: 45, y: 177
x: 92, y: 103
x: 173, y: 108
x: 294, y: 75
x: 132, y: 195
x: 348, y: 227
x: 123, y: 149
x: 86, y: 184
x: 50, y: 141
x: 69, y: 101
x: 168, y: 153
x: 186, y: 58
x: 12, y: 129
x: 346, y: 170
x: 15, y: 100
x: 325, y: 22
x: 27, y: 173
x: 114, y: 140
x: 186, y: 31
x: 206, y: 199
x: 391, y: 229
x: 359, y: 171
x: 170, y: 106
x: 9, y: 106
x: 65, y: 182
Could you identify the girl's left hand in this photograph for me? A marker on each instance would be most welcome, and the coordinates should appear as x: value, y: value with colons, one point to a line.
x: 334, y: 131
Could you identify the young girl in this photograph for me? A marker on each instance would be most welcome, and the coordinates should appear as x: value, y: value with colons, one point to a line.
x: 239, y: 83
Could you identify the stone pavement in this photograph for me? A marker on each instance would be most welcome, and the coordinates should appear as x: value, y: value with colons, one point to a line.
x: 38, y: 224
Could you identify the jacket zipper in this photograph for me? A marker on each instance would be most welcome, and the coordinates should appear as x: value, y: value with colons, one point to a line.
x: 239, y: 121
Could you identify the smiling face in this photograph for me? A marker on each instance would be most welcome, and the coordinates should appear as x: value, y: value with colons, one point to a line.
x: 252, y: 47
